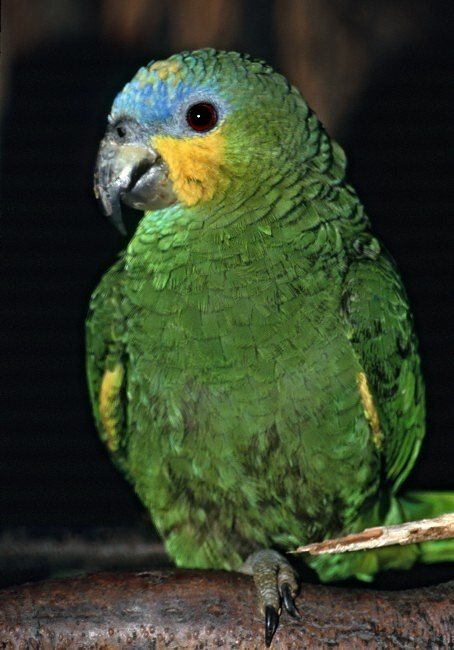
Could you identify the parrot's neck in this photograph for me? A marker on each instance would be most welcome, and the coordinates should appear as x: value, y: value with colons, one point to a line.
x: 260, y: 232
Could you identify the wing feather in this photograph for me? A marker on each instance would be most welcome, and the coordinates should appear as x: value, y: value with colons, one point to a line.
x: 107, y: 362
x: 380, y: 328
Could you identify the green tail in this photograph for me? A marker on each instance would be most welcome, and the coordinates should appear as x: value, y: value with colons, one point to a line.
x: 425, y: 505
x: 364, y: 565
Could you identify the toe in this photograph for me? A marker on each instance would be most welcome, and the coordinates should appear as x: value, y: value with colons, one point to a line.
x: 276, y: 581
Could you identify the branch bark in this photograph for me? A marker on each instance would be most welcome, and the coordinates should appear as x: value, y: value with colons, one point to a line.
x: 208, y: 609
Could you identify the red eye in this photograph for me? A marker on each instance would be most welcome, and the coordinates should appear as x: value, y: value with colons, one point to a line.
x: 202, y: 117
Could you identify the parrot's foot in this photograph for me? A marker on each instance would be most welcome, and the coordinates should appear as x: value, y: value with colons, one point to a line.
x: 276, y: 582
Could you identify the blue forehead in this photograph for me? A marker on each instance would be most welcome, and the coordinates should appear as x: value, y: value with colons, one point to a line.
x: 149, y: 97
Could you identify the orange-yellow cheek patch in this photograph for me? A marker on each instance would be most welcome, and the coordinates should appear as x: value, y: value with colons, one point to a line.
x: 369, y: 409
x: 196, y: 165
x: 108, y: 404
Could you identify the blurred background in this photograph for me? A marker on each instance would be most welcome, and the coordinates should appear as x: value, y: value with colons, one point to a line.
x: 379, y: 74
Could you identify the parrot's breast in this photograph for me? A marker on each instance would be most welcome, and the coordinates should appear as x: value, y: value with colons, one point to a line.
x: 230, y: 389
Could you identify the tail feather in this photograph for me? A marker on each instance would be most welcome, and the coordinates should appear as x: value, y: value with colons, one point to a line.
x: 425, y: 505
x: 422, y: 504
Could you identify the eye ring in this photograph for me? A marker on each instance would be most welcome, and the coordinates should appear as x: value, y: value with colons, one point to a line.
x: 202, y: 116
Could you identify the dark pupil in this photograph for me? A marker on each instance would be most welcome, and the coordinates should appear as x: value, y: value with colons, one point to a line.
x: 201, y: 116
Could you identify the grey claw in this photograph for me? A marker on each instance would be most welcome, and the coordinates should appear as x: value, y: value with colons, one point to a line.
x: 289, y: 603
x: 271, y: 621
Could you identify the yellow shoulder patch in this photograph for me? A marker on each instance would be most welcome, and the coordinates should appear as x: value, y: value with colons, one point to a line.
x: 109, y: 403
x: 369, y: 409
x: 195, y: 164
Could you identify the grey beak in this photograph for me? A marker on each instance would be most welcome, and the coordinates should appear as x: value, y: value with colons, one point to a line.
x: 129, y: 170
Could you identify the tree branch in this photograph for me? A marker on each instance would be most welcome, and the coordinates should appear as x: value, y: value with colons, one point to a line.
x: 207, y: 609
x: 411, y: 532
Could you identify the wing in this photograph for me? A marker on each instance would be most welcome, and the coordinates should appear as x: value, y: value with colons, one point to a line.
x: 380, y: 328
x: 107, y: 362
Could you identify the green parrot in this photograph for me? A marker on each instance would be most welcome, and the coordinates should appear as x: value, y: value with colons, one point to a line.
x: 252, y: 363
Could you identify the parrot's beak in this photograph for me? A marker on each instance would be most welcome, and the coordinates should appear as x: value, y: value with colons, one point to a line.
x: 129, y: 170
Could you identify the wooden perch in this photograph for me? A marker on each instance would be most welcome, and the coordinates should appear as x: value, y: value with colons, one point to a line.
x: 411, y: 532
x: 210, y: 609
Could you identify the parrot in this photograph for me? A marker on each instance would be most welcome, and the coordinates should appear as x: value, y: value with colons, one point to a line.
x: 252, y: 361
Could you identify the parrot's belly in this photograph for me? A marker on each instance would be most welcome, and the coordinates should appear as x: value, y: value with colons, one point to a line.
x: 247, y: 440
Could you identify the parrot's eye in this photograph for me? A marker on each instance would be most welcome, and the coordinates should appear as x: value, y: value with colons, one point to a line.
x: 202, y: 117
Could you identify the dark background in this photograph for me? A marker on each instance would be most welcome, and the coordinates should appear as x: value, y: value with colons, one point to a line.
x: 379, y: 74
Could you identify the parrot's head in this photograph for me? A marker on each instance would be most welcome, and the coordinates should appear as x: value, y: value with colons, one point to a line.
x: 198, y: 129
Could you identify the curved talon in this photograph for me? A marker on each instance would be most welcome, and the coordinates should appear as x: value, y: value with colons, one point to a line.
x: 271, y: 621
x: 289, y: 603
